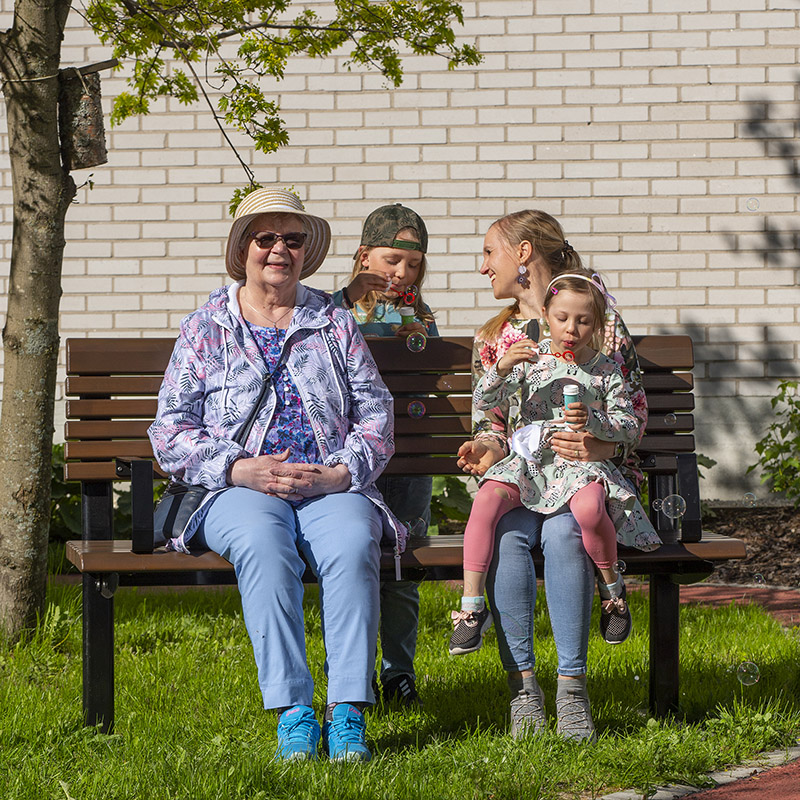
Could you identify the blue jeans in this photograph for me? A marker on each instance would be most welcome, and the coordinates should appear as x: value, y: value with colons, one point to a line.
x: 568, y: 583
x: 263, y: 537
x: 409, y: 498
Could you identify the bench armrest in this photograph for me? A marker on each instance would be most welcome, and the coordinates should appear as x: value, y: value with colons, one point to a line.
x: 140, y: 472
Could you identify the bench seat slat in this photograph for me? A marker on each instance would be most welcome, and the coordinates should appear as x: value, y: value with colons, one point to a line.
x: 116, y: 556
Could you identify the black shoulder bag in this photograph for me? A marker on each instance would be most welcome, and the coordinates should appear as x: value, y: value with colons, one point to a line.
x: 180, y: 500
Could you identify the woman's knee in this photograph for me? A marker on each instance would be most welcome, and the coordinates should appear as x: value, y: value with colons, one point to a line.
x: 342, y: 534
x: 562, y: 538
x: 251, y: 527
x: 517, y: 532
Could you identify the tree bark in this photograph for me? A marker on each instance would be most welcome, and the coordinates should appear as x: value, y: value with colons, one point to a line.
x: 30, y: 54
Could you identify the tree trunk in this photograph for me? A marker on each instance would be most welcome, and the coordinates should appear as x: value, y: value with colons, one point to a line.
x: 30, y: 54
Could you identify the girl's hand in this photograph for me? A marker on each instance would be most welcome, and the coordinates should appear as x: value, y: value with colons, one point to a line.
x: 476, y: 456
x: 524, y: 350
x: 411, y: 327
x: 581, y: 446
x: 368, y: 281
x: 576, y: 416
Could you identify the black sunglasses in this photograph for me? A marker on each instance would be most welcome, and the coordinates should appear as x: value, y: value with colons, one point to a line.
x: 267, y: 240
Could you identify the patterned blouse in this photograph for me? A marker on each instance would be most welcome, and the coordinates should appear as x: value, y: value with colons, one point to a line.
x: 503, y: 420
x: 290, y: 426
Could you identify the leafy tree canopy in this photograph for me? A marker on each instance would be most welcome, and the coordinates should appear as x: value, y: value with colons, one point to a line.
x: 267, y: 33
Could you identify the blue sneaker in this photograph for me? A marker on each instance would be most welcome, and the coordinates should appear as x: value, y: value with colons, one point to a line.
x: 298, y: 734
x: 343, y: 737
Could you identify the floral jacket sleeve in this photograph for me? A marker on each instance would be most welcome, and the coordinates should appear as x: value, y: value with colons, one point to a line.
x: 185, y: 445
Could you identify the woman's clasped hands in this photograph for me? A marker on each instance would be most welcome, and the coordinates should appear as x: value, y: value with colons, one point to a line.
x: 274, y: 475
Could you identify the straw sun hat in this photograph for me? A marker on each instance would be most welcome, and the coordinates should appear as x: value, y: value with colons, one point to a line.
x: 277, y: 201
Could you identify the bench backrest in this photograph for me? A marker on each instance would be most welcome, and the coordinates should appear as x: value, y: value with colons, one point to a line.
x: 112, y: 386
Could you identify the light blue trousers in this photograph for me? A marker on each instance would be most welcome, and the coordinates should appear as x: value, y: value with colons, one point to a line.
x: 339, y: 535
x: 568, y: 584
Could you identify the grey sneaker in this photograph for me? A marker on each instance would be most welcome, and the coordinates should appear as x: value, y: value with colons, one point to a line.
x: 527, y: 712
x: 574, y: 716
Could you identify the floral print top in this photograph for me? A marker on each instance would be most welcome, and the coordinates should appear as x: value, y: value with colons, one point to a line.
x: 499, y: 422
x: 290, y: 426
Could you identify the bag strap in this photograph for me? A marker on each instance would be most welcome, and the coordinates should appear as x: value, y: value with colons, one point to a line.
x: 244, y: 431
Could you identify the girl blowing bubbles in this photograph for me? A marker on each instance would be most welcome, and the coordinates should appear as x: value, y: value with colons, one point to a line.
x: 601, y: 500
x: 389, y: 269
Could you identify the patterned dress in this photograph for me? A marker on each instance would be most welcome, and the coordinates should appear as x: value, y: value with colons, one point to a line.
x: 547, y: 484
x: 498, y: 423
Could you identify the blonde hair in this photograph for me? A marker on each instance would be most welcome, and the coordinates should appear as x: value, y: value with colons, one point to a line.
x: 370, y: 300
x: 582, y: 285
x: 546, y: 236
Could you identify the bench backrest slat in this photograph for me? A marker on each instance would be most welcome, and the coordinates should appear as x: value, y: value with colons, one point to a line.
x: 112, y: 386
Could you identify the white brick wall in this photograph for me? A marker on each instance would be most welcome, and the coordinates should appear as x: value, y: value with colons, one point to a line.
x: 627, y: 120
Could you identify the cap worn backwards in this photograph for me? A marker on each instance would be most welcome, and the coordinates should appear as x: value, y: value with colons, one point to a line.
x: 383, y: 224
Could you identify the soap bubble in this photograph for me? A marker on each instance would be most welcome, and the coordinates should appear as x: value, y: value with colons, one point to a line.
x: 749, y: 499
x: 620, y: 567
x: 758, y: 580
x: 748, y: 673
x: 674, y: 506
x: 416, y: 409
x: 752, y: 204
x: 671, y: 419
x: 636, y: 677
x: 416, y: 342
x: 656, y: 504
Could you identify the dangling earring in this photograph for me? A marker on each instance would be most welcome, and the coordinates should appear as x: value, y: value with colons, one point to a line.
x: 523, y: 271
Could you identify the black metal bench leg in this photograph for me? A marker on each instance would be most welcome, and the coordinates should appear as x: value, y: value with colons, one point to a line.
x: 98, y: 652
x: 664, y: 645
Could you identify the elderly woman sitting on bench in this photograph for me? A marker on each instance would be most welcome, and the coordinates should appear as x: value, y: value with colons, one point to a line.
x: 322, y: 435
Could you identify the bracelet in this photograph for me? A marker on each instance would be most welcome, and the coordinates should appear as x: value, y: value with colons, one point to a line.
x: 348, y: 303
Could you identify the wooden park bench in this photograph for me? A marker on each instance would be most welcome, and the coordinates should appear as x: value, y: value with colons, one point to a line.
x: 112, y: 386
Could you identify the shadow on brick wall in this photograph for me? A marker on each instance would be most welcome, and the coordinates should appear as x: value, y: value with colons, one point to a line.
x: 778, y: 138
x: 742, y: 419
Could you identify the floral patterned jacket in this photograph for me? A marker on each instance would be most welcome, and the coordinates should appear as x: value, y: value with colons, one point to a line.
x: 215, y: 375
x: 498, y: 423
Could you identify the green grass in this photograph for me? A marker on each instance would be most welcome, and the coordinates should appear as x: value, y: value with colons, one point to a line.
x: 190, y: 723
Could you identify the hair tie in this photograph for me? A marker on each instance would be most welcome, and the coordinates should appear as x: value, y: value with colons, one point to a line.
x: 611, y: 301
x: 567, y: 248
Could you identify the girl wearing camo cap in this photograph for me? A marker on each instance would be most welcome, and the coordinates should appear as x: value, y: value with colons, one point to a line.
x: 388, y: 272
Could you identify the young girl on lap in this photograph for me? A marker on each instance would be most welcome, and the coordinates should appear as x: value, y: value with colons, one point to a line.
x: 601, y: 500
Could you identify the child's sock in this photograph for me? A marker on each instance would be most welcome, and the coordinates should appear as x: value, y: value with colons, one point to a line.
x: 473, y: 603
x: 615, y: 589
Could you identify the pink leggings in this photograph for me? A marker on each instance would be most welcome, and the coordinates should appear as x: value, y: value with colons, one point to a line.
x: 588, y: 506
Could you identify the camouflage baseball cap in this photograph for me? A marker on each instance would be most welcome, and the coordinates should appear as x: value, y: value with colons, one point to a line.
x: 383, y: 224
